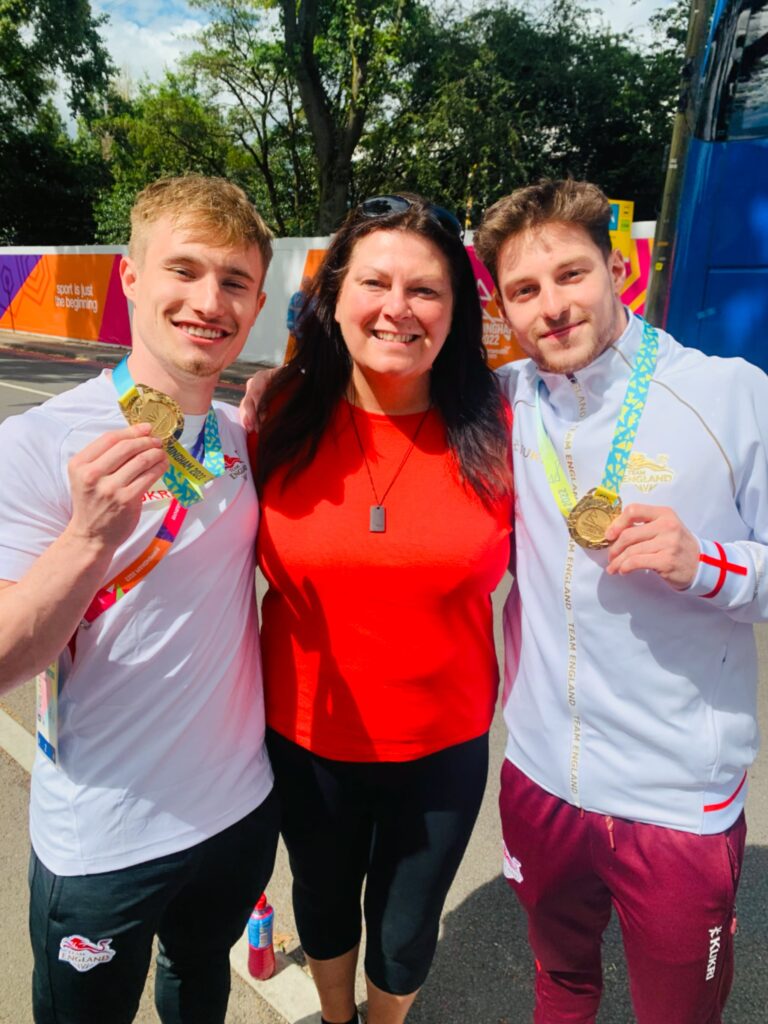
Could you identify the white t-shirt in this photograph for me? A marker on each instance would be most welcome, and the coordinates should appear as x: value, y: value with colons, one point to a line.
x: 161, y: 719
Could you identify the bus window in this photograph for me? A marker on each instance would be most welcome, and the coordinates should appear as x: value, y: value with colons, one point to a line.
x: 735, y: 101
x: 749, y: 99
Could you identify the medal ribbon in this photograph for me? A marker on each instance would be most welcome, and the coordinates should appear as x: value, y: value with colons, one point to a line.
x: 186, y: 491
x: 48, y: 680
x: 150, y: 557
x: 141, y: 566
x: 185, y: 476
x: 623, y: 436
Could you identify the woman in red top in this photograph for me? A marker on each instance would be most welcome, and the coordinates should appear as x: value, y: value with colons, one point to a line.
x: 386, y: 508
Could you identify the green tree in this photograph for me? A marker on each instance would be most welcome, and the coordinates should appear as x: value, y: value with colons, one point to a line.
x: 167, y: 129
x: 41, y: 40
x: 505, y: 97
x: 241, y: 67
x: 343, y: 56
x: 311, y: 106
x: 304, y: 77
x: 48, y: 184
x: 48, y: 180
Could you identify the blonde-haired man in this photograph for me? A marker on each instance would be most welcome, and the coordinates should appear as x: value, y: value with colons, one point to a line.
x: 630, y: 662
x: 126, y: 557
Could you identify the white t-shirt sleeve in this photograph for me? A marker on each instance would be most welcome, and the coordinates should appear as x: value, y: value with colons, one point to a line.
x: 36, y: 505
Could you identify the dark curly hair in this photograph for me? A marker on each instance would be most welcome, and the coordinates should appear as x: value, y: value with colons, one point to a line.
x: 562, y: 201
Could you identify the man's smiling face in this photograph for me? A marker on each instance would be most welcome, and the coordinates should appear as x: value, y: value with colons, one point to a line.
x: 194, y: 301
x: 561, y: 295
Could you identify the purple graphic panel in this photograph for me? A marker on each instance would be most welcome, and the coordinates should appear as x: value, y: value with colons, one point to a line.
x: 14, y: 271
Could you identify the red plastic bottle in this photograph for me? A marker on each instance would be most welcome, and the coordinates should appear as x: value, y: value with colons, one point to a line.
x: 261, y: 952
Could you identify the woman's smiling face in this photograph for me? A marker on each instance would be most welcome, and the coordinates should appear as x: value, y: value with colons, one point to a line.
x: 395, y: 305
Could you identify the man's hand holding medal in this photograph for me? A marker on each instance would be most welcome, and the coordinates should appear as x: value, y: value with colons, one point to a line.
x: 652, y: 537
x: 108, y: 479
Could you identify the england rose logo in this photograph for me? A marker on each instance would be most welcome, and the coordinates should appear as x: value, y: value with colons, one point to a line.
x: 84, y: 954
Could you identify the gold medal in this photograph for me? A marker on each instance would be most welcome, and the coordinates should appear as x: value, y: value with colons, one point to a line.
x: 159, y: 410
x: 590, y: 518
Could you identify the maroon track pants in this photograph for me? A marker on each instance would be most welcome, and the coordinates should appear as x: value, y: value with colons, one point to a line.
x: 674, y: 893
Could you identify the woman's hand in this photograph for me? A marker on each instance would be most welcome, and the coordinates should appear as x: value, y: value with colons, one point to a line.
x: 254, y: 392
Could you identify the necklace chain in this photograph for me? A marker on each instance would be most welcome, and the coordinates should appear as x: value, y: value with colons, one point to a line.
x: 380, y: 500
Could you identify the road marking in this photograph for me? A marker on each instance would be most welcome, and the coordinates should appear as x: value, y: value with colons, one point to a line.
x: 289, y: 992
x: 16, y: 741
x: 31, y: 391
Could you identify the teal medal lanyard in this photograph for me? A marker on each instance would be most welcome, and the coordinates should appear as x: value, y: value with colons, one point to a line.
x: 590, y: 517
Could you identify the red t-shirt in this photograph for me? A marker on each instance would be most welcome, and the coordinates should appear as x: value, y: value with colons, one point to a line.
x: 379, y: 646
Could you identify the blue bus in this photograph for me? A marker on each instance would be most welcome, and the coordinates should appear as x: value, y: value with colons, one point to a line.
x: 717, y: 298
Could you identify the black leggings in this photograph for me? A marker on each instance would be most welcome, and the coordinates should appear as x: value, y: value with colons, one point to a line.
x: 404, y: 825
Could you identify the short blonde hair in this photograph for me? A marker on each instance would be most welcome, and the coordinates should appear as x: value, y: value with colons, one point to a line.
x: 221, y: 211
x: 565, y: 202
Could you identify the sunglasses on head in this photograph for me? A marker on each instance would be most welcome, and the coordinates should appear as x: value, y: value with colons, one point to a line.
x: 385, y: 206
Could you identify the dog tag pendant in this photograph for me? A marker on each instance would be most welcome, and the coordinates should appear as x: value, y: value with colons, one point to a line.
x: 378, y: 520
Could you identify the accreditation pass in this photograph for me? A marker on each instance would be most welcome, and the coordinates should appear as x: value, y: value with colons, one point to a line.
x: 47, y: 685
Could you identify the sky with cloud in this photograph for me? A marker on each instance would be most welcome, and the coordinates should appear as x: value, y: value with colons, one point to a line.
x: 147, y: 36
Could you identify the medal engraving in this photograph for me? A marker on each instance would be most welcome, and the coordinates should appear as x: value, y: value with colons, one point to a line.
x: 378, y: 519
x: 590, y: 518
x: 160, y: 411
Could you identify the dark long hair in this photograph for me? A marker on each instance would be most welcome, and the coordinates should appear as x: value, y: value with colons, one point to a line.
x: 300, y: 399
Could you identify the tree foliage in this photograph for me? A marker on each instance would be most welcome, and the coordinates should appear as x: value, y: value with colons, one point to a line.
x: 45, y: 40
x: 343, y: 57
x: 48, y: 184
x: 49, y: 180
x: 243, y: 67
x: 169, y: 128
x: 312, y: 105
x: 304, y: 76
x: 506, y: 97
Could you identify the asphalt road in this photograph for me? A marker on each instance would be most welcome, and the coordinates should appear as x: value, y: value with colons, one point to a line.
x: 483, y: 973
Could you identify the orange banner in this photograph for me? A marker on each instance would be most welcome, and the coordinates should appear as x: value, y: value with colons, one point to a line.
x: 64, y: 295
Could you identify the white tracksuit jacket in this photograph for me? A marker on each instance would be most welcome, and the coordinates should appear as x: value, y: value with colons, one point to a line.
x: 622, y: 695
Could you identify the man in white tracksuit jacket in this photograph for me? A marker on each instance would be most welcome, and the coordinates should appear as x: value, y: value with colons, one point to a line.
x: 630, y: 689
